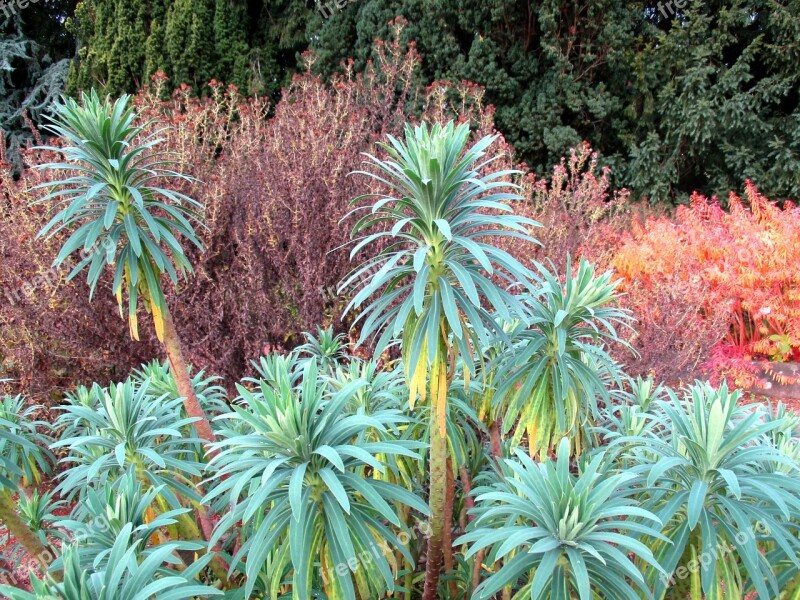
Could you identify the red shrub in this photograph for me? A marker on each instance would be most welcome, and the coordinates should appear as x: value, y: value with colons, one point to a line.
x: 276, y: 193
x: 579, y: 213
x: 739, y: 265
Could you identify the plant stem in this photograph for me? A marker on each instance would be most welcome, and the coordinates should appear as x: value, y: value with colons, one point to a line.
x: 447, y: 545
x: 190, y: 531
x: 23, y: 534
x: 496, y: 441
x: 180, y: 371
x: 438, y: 483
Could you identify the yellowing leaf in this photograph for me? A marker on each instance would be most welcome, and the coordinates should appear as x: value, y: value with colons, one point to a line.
x: 158, y: 319
x: 419, y: 380
x: 133, y: 326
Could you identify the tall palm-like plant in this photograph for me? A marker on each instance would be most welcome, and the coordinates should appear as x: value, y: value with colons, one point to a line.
x: 557, y: 368
x: 121, y: 215
x: 434, y: 282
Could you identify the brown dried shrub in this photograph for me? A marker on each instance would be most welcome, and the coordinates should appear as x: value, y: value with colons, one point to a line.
x: 276, y: 193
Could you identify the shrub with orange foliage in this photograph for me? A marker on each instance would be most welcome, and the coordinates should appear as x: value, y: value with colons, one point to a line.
x: 740, y: 267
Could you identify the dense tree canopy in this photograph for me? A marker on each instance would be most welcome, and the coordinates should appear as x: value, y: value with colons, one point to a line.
x: 253, y: 45
x: 34, y: 62
x: 677, y: 95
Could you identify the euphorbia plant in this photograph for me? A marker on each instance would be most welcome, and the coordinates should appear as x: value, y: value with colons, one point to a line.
x: 433, y: 284
x: 296, y: 473
x: 121, y: 215
x: 127, y: 574
x: 32, y: 458
x: 718, y: 490
x: 566, y: 536
x: 17, y: 453
x: 554, y: 373
x: 129, y: 430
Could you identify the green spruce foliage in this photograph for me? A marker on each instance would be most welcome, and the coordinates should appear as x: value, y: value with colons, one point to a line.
x: 677, y: 95
x: 250, y: 45
x: 34, y: 63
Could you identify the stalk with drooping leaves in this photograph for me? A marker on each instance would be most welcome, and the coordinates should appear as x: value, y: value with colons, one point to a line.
x: 120, y: 215
x: 434, y: 283
x: 558, y: 368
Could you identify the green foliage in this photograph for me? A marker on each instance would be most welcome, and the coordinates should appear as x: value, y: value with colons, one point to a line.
x: 563, y: 534
x: 107, y: 511
x: 382, y: 390
x: 130, y: 431
x: 113, y: 204
x: 628, y: 420
x: 129, y: 576
x: 676, y: 99
x: 785, y: 436
x: 34, y: 63
x: 326, y: 348
x: 553, y: 374
x: 36, y: 512
x: 273, y: 367
x: 715, y: 488
x: 189, y: 40
x: 436, y: 269
x: 321, y: 463
x: 297, y: 481
x: 714, y: 101
x: 23, y: 449
x: 157, y: 377
x: 71, y: 425
x: 250, y: 45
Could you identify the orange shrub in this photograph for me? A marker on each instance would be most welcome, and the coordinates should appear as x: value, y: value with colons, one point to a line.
x: 743, y: 264
x: 580, y: 214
